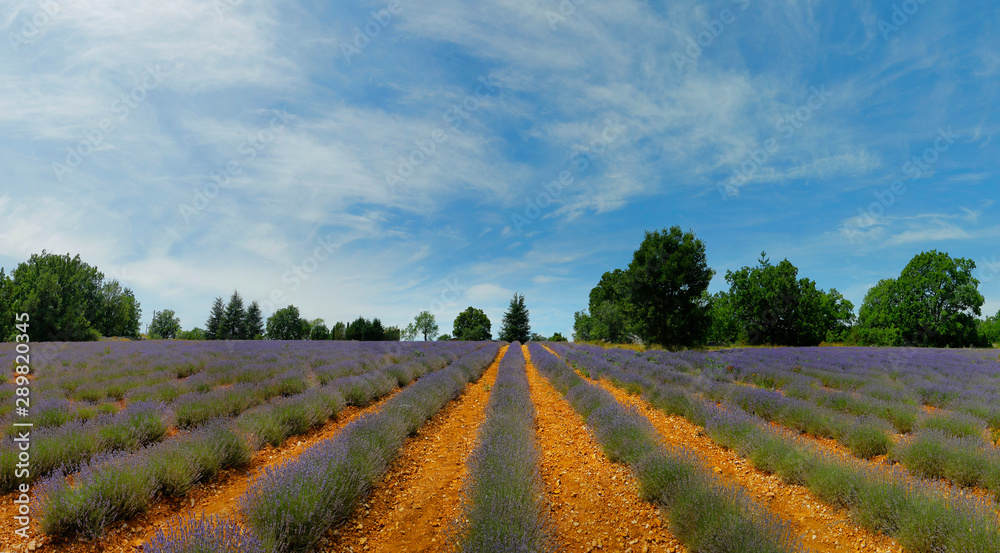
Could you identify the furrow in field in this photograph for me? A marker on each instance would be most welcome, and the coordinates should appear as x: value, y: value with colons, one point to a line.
x: 594, y: 503
x: 824, y: 528
x: 216, y: 496
x: 419, y: 501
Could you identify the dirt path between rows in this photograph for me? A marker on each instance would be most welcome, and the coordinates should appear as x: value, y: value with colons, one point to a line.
x: 823, y: 528
x: 594, y: 503
x: 217, y: 496
x: 418, y: 504
x: 830, y: 445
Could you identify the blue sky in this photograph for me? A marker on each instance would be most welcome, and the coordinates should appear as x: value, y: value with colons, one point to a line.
x: 385, y: 158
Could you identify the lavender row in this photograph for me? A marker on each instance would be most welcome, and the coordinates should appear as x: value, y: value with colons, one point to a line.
x: 921, y: 515
x: 947, y: 445
x: 108, y: 488
x: 71, y: 444
x: 704, y: 514
x: 906, y: 376
x: 289, y: 508
x: 64, y: 395
x: 504, y: 510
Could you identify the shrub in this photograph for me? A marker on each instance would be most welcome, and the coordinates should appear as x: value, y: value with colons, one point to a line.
x: 205, y: 535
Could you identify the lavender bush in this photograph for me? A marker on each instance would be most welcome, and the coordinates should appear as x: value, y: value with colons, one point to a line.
x: 703, y: 514
x: 290, y: 507
x: 504, y: 512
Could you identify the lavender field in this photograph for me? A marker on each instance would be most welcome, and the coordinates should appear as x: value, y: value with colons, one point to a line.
x: 899, y: 443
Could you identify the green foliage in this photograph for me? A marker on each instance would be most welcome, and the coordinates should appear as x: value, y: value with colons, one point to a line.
x: 213, y: 326
x: 165, y: 325
x: 611, y: 310
x: 253, y: 322
x: 989, y: 329
x: 319, y: 331
x: 724, y: 328
x: 444, y: 338
x: 6, y: 307
x: 66, y: 300
x: 934, y: 302
x: 583, y: 327
x: 472, y: 324
x: 773, y: 306
x: 232, y: 327
x: 119, y: 312
x: 516, y: 327
x: 392, y: 334
x: 667, y: 277
x: 558, y: 337
x: 285, y: 324
x: 339, y: 332
x: 424, y: 324
x: 369, y: 331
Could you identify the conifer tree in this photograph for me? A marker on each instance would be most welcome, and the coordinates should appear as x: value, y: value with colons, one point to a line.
x: 213, y: 326
x: 516, y: 327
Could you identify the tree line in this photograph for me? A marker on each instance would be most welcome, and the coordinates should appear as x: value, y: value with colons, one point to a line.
x: 66, y: 300
x: 662, y: 298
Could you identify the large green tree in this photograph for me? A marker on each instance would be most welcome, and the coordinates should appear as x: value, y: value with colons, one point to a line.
x: 286, y: 324
x: 472, y: 324
x: 358, y: 330
x: 165, y: 325
x: 318, y: 330
x: 611, y: 312
x: 339, y: 331
x: 667, y: 278
x: 774, y: 306
x: 934, y: 302
x: 516, y: 326
x: 67, y: 299
x: 119, y: 311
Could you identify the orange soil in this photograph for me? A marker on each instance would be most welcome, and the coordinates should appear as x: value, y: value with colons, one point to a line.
x: 822, y: 527
x: 594, y: 504
x: 418, y: 504
x: 217, y: 496
x: 829, y: 445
